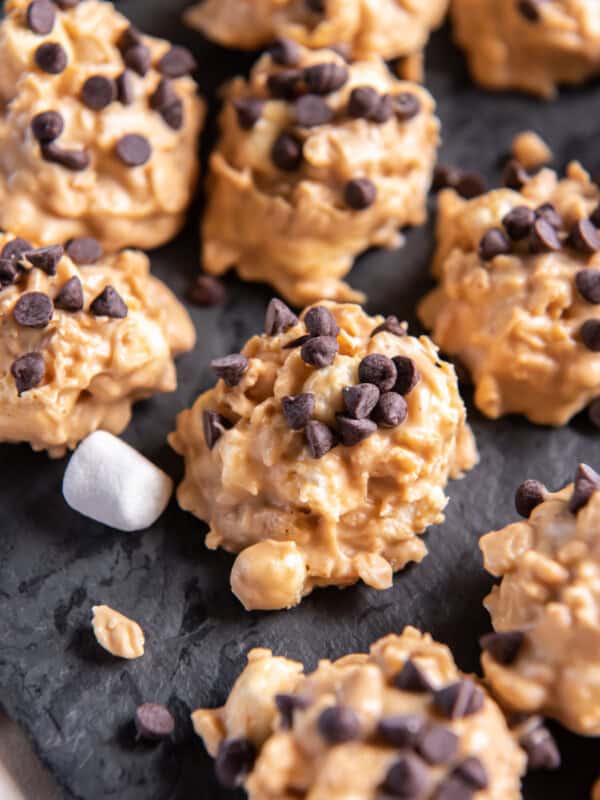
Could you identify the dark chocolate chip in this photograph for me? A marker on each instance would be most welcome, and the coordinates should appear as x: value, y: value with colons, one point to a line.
x: 445, y: 176
x: 383, y: 110
x: 529, y: 9
x: 587, y: 481
x: 470, y: 184
x: 362, y: 102
x: 320, y: 351
x: 287, y: 704
x: 70, y: 297
x: 51, y: 57
x: 460, y: 699
x: 46, y: 258
x: 285, y: 84
x: 298, y: 409
x: 177, y: 62
x: 590, y: 334
x: 587, y: 282
x: 138, y: 58
x: 235, y: 759
x: 378, y: 369
x: 541, y: 749
x: 595, y: 216
x: 585, y: 237
x: 408, y: 777
x: 16, y: 248
x: 28, y: 371
x: 593, y: 408
x: 109, y: 303
x: 297, y: 342
x: 518, y: 222
x: 319, y: 438
x: 550, y: 214
x: 206, y: 291
x: 98, y: 92
x: 164, y: 100
x: 129, y: 38
x: 287, y: 152
x: 338, y: 724
x: 406, y: 105
x: 125, y: 88
x: 320, y: 321
x: 214, y: 426
x: 41, y: 15
x: 248, y: 111
x: 390, y: 411
x: 391, y: 325
x: 173, y: 115
x: 47, y: 126
x: 454, y: 787
x: 407, y: 375
x: 285, y: 52
x: 412, y: 679
x: 437, y: 745
x: 514, y: 175
x: 494, y: 243
x: 33, y: 310
x: 311, y: 110
x: 325, y: 78
x: 544, y: 237
x: 472, y: 771
x: 503, y: 646
x: 279, y: 318
x: 360, y: 193
x: 360, y: 400
x: 154, y: 721
x: 529, y: 495
x: 401, y: 730
x: 231, y: 368
x: 9, y: 271
x: 316, y: 6
x: 75, y: 160
x: 133, y: 149
x: 84, y: 250
x: 354, y: 431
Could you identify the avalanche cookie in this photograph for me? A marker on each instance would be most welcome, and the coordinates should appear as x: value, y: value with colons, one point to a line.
x: 322, y: 452
x: 387, y: 28
x: 544, y: 655
x: 400, y: 721
x: 531, y: 45
x: 318, y: 160
x: 80, y: 345
x: 99, y: 130
x: 519, y: 295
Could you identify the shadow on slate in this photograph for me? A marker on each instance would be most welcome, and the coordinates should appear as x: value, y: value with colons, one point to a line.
x: 75, y: 701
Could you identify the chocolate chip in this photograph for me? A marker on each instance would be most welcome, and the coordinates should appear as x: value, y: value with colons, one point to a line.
x: 412, y: 679
x: 109, y: 303
x: 16, y: 248
x: 287, y: 152
x: 503, y: 646
x: 133, y: 149
x: 320, y: 321
x: 408, y: 777
x: 354, y: 431
x: 541, y: 749
x: 70, y: 297
x: 391, y: 325
x: 362, y: 102
x: 8, y: 272
x: 40, y: 17
x: 33, y: 310
x: 390, y: 411
x: 406, y: 105
x: 320, y: 351
x: 445, y: 176
x: 544, y: 237
x: 518, y: 222
x: 360, y: 400
x: 177, y: 62
x: 285, y: 52
x: 279, y: 318
x: 75, y: 160
x: 454, y: 788
x: 587, y: 282
x: 51, y: 58
x: 587, y: 481
x: 248, y: 110
x: 383, y: 110
x: 46, y: 258
x: 287, y: 704
x: 125, y: 88
x: 437, y: 745
x: 173, y: 115
x: 285, y: 85
x: 319, y: 438
x: 296, y: 342
x: 84, y: 250
x: 584, y: 237
x: 138, y: 58
x: 154, y: 721
x: 529, y: 9
x: 98, y: 92
x: 550, y: 214
x: 470, y: 184
x: 311, y: 110
x: 493, y: 243
x: 206, y: 291
x: 66, y: 4
x: 407, y: 375
x: 590, y: 335
x: 28, y: 371
x: 378, y: 369
x: 401, y: 730
x: 529, y: 495
x: 47, y: 126
x: 593, y: 408
x: 472, y: 771
x: 338, y: 724
x: 214, y: 426
x: 460, y: 699
x: 360, y: 193
x: 230, y: 368
x: 595, y: 216
x: 164, y: 100
x: 316, y: 6
x: 235, y: 759
x: 129, y: 38
x: 298, y: 409
x: 514, y: 175
x: 325, y: 78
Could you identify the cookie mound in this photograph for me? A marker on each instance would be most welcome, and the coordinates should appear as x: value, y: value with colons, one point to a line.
x: 80, y: 345
x: 317, y: 161
x: 322, y: 452
x: 400, y: 721
x: 99, y: 129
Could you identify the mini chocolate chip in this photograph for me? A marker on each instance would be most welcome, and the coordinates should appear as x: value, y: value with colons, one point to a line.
x: 46, y: 258
x: 383, y: 110
x: 587, y: 282
x: 248, y: 111
x: 390, y: 411
x: 235, y: 759
x: 98, y: 92
x: 590, y: 335
x: 529, y: 9
x: 33, y: 310
x: 125, y: 88
x: 584, y: 237
x: 154, y: 721
x: 28, y: 371
x: 70, y: 297
x: 437, y: 745
x: 338, y: 724
x: 325, y: 78
x: 391, y: 325
x: 206, y: 291
x: 587, y: 481
x: 360, y: 400
x: 16, y: 248
x: 311, y: 110
x: 503, y: 646
x: 173, y: 115
x: 75, y: 160
x: 412, y: 679
x: 287, y: 152
x: 279, y: 318
x: 47, y: 126
x: 8, y: 272
x: 529, y: 495
x: 297, y: 342
x: 544, y: 237
x: 213, y: 426
x: 472, y: 771
x: 470, y: 184
x: 138, y: 58
x: 51, y: 58
x: 459, y: 699
x: 287, y: 704
x: 401, y: 730
x: 354, y: 431
x: 133, y: 149
x: 406, y: 105
x: 593, y: 408
x: 319, y: 438
x: 109, y: 303
x: 408, y: 777
x: 320, y: 321
x: 378, y: 369
x: 285, y: 84
x: 84, y: 250
x: 285, y: 52
x: 445, y: 176
x: 541, y: 749
x: 362, y: 102
x: 550, y: 214
x: 163, y: 96
x: 595, y: 216
x: 514, y: 175
x: 454, y: 787
x: 320, y: 351
x: 407, y: 375
x: 177, y: 62
x: 360, y: 193
x: 230, y: 368
x: 518, y: 222
x: 129, y: 38
x: 298, y: 409
x: 41, y: 16
x: 493, y: 243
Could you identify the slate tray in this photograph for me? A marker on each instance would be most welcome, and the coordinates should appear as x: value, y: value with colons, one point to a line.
x: 76, y: 702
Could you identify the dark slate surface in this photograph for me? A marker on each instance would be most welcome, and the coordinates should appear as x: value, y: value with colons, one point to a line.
x: 75, y: 701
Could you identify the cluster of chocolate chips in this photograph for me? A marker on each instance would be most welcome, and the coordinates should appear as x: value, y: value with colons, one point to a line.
x: 531, y: 493
x: 466, y: 183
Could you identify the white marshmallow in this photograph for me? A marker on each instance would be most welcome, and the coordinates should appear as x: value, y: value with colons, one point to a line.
x: 110, y: 482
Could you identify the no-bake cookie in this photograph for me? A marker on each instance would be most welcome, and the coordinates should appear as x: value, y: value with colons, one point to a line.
x: 317, y: 161
x: 80, y: 344
x: 544, y: 655
x: 400, y: 721
x: 518, y: 300
x: 98, y: 128
x: 322, y: 452
x: 531, y: 45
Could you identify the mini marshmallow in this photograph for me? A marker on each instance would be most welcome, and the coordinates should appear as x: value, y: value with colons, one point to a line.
x: 110, y: 482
